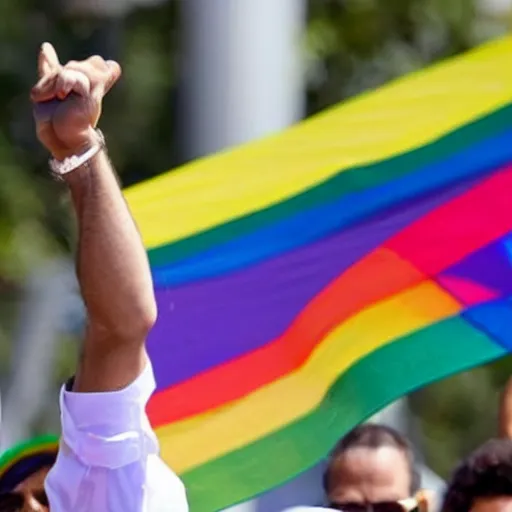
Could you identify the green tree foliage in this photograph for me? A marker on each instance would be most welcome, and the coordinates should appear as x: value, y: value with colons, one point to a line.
x: 356, y: 45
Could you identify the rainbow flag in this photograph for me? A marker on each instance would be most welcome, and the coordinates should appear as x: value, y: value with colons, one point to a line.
x: 309, y: 279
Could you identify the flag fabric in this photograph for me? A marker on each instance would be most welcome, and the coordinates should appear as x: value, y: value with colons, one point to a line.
x: 307, y: 280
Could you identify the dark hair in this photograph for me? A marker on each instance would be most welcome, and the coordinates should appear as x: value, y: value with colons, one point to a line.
x: 371, y: 435
x: 486, y: 473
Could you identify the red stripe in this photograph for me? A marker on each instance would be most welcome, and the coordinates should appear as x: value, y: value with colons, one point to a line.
x: 426, y: 247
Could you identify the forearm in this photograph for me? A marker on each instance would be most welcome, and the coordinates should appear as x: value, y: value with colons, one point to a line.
x: 112, y: 265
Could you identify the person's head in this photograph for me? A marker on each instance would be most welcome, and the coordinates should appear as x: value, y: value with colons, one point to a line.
x: 482, y: 482
x: 23, y: 471
x: 373, y: 464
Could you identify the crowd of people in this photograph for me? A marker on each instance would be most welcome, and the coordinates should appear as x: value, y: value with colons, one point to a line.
x: 373, y: 469
x: 106, y: 459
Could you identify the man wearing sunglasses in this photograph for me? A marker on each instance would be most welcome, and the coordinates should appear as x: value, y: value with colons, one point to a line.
x: 108, y: 455
x: 372, y: 470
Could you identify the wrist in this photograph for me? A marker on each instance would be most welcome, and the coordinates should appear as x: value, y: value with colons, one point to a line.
x: 77, y: 147
x: 64, y: 163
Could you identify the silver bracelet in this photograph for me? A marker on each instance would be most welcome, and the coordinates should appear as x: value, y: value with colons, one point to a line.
x: 60, y: 168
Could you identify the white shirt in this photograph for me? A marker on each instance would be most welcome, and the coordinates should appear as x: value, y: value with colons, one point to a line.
x: 108, y: 458
x: 309, y: 509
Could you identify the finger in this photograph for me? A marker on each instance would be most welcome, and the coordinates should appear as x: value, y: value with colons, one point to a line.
x: 102, y: 75
x: 47, y: 61
x: 51, y: 56
x: 115, y: 72
x: 69, y: 81
x: 96, y: 67
x: 111, y: 76
x: 44, y: 90
x: 95, y: 78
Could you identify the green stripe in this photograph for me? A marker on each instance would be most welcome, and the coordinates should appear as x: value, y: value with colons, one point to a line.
x: 350, y: 181
x: 375, y: 381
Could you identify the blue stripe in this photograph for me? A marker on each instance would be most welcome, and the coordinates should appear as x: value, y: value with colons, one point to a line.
x: 494, y: 319
x: 311, y: 225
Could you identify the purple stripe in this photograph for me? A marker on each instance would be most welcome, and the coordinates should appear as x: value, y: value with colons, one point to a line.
x: 207, y: 323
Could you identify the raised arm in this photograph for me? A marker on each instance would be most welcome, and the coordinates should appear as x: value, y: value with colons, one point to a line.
x: 112, y: 266
x: 108, y: 458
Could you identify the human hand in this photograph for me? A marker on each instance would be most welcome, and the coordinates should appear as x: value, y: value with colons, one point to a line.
x: 68, y: 100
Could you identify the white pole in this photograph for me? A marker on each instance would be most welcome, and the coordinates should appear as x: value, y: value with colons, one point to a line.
x: 242, y: 71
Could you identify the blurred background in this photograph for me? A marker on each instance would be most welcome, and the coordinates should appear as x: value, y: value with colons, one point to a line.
x: 201, y: 76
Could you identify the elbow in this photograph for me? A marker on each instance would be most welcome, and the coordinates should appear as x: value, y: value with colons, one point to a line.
x: 149, y: 317
x: 140, y: 324
x: 129, y: 325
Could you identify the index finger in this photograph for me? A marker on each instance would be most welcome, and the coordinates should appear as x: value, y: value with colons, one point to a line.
x: 102, y: 74
x: 48, y: 61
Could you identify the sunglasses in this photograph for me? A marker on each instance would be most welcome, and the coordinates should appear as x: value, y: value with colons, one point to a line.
x: 409, y: 505
x: 14, y: 501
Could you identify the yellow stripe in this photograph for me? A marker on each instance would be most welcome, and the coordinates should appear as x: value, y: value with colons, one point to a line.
x: 398, y: 118
x: 192, y: 442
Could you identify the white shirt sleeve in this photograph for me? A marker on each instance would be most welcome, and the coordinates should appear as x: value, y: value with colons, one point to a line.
x: 108, y: 458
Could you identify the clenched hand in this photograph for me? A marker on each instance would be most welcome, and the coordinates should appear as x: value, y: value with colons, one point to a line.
x: 68, y: 99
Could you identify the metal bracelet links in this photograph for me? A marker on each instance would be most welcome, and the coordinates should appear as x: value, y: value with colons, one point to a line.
x: 60, y: 168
